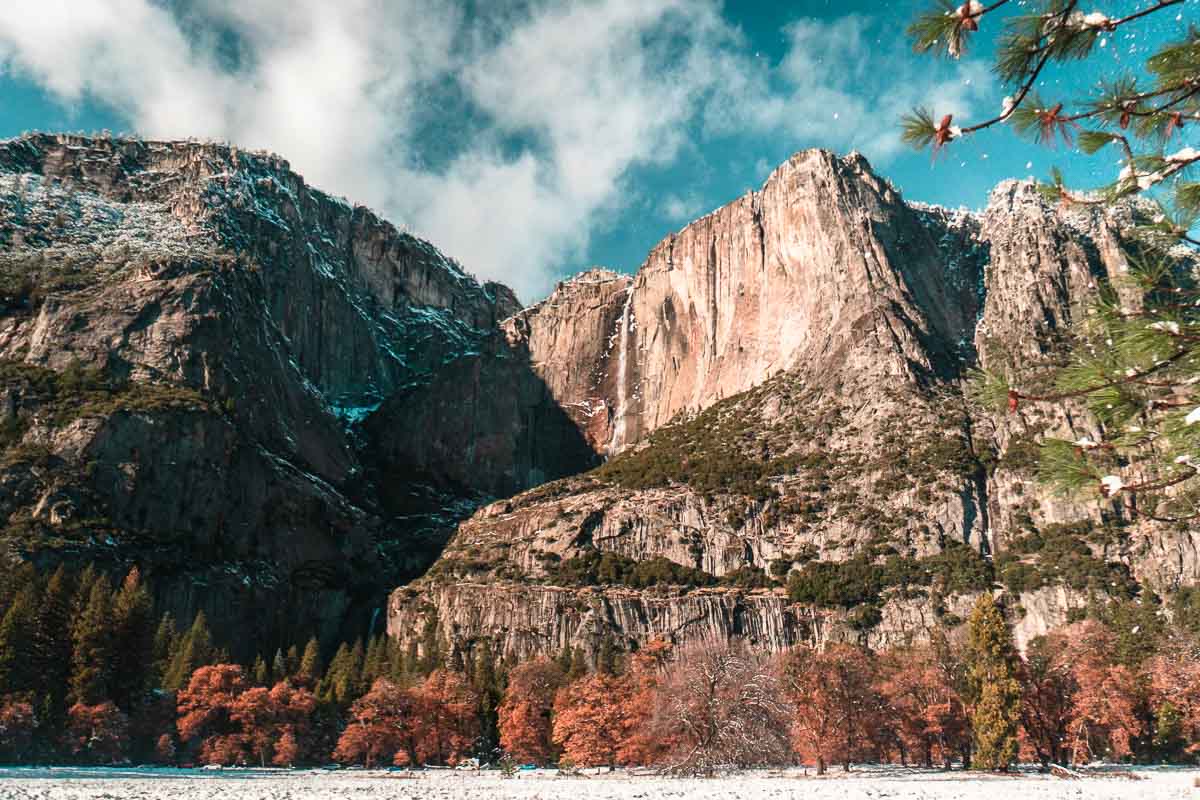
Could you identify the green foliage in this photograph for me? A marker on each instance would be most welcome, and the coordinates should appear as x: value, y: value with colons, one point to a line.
x: 861, y: 581
x: 133, y: 628
x: 17, y: 631
x: 918, y: 128
x: 194, y: 649
x: 705, y: 453
x: 988, y: 388
x: 1062, y: 555
x: 1137, y: 624
x: 939, y: 31
x: 993, y: 687
x: 1185, y: 609
x: 1058, y: 32
x: 1170, y: 742
x: 92, y: 635
x: 60, y: 397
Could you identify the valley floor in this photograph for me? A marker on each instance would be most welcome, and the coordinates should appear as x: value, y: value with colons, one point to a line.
x: 872, y: 782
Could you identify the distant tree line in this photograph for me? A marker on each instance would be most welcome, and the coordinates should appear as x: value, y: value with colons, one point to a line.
x: 90, y: 674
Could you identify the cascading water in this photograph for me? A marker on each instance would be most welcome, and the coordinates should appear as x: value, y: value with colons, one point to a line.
x: 618, y: 436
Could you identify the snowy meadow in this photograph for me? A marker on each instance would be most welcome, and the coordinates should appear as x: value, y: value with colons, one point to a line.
x: 69, y: 783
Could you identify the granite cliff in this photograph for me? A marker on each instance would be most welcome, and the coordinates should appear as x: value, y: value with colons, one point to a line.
x: 781, y: 392
x: 282, y: 408
x: 196, y: 349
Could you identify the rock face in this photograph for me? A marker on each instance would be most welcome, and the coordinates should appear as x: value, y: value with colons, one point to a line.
x: 281, y: 407
x: 780, y: 390
x: 768, y: 283
x: 193, y: 342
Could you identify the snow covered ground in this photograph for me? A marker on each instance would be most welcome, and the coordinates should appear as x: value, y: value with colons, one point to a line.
x: 867, y: 784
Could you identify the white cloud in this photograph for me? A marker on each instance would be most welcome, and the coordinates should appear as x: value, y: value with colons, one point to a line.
x: 844, y: 83
x: 681, y: 209
x: 560, y: 100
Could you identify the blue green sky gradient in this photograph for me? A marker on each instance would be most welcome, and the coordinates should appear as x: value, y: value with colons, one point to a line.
x: 531, y: 140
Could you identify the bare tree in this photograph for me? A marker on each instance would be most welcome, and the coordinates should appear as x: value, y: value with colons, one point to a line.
x: 721, y: 708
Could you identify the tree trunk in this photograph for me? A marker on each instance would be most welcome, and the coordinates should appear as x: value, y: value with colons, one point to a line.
x: 820, y: 765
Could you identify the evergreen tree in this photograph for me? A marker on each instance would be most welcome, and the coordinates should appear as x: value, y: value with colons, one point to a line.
x: 194, y: 649
x: 578, y: 665
x: 994, y: 690
x: 309, y: 672
x: 293, y: 661
x: 354, y: 669
x: 344, y: 673
x: 18, y: 672
x: 374, y: 663
x: 607, y: 659
x: 12, y: 580
x: 52, y: 636
x: 1134, y: 357
x: 279, y: 669
x: 93, y: 640
x: 398, y: 665
x: 83, y: 589
x: 134, y: 635
x: 261, y: 672
x: 166, y: 640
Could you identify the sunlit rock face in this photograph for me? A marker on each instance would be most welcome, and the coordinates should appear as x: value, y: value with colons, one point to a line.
x: 282, y: 408
x: 800, y: 356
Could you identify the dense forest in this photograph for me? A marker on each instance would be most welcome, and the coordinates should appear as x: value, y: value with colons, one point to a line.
x: 90, y: 674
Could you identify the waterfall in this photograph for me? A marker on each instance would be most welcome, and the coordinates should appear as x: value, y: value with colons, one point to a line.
x: 618, y: 437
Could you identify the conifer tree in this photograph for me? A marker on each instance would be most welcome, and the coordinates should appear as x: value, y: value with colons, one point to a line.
x: 432, y: 656
x: 195, y: 649
x: 93, y: 641
x: 1134, y: 357
x: 261, y: 672
x: 342, y: 676
x: 18, y: 672
x: 374, y: 663
x: 994, y: 691
x: 134, y: 634
x: 487, y: 684
x: 309, y: 672
x: 279, y: 669
x: 166, y: 639
x: 606, y: 658
x: 293, y: 660
x: 52, y: 636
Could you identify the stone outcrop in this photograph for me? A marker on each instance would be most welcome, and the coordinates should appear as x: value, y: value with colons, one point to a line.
x: 281, y: 407
x: 193, y: 343
x: 784, y: 385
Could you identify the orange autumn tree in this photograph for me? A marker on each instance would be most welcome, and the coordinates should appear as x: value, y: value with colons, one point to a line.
x: 98, y: 734
x: 265, y: 718
x: 590, y: 719
x: 380, y: 727
x: 640, y: 742
x: 922, y: 705
x: 17, y: 722
x: 445, y: 725
x: 834, y: 702
x: 525, y: 715
x: 205, y: 708
x: 1173, y: 677
x: 1103, y: 716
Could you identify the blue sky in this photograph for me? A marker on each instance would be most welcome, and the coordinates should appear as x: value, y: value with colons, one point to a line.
x: 532, y: 140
